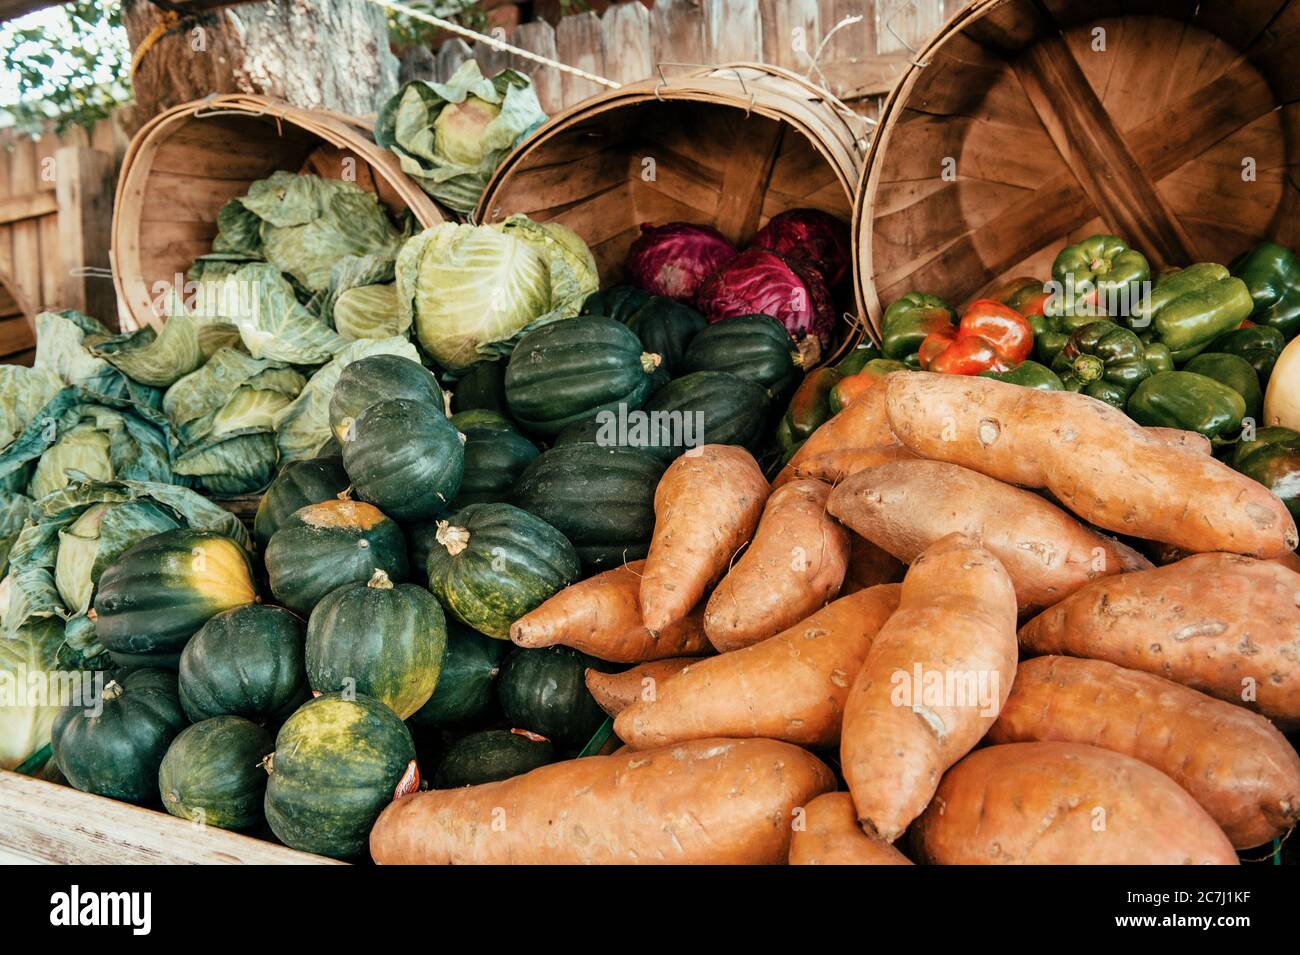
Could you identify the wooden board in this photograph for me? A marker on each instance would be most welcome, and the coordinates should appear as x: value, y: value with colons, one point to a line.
x: 46, y: 822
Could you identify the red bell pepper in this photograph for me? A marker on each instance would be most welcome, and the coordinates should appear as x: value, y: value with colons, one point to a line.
x: 990, y: 337
x: 970, y: 355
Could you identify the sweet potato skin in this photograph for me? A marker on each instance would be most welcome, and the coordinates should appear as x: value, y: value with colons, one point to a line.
x: 615, y: 692
x: 795, y: 564
x: 1064, y: 804
x: 956, y: 618
x: 707, y: 506
x: 1233, y: 762
x: 862, y: 424
x: 790, y: 687
x: 1178, y: 438
x: 830, y: 836
x: 601, y: 616
x: 834, y: 466
x: 905, y: 506
x: 1219, y: 623
x: 1097, y: 462
x: 715, y: 801
x: 869, y: 566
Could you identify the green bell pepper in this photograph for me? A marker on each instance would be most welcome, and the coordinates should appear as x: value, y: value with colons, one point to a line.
x: 1272, y: 275
x: 1233, y: 371
x: 1259, y: 344
x: 1192, y: 307
x: 1273, y: 459
x: 1051, y: 332
x: 1192, y: 402
x: 852, y: 364
x: 1099, y: 276
x: 1159, y: 357
x: 908, y: 320
x: 1103, y: 360
x: 1028, y: 374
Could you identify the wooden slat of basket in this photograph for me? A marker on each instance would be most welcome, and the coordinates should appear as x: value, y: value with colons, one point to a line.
x: 45, y: 822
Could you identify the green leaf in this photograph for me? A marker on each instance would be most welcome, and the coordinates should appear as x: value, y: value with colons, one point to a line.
x: 239, y: 462
x: 159, y: 359
x: 25, y: 722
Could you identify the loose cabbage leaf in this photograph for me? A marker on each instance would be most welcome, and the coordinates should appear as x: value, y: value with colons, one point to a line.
x: 452, y: 136
x: 15, y: 511
x: 64, y: 345
x: 26, y: 718
x: 238, y: 462
x: 303, y: 428
x: 231, y: 392
x: 369, y: 311
x: 160, y: 358
x: 23, y: 392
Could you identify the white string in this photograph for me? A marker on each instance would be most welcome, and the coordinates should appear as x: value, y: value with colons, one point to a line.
x: 498, y: 45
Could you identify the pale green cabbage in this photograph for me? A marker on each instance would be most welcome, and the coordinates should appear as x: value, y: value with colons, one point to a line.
x: 26, y: 719
x: 185, y: 342
x: 450, y: 137
x: 23, y: 392
x: 368, y: 311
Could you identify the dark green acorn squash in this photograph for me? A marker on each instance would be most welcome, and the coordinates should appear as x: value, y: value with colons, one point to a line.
x: 545, y: 691
x: 600, y: 498
x: 667, y: 329
x: 245, y: 662
x: 569, y: 370
x: 382, y: 639
x: 494, y: 563
x: 298, y: 484
x: 405, y: 458
x: 337, y: 764
x: 754, y: 347
x: 706, y: 407
x: 117, y: 752
x: 368, y: 381
x: 466, y: 686
x: 490, y: 756
x: 619, y: 302
x: 324, y: 546
x: 483, y: 385
x: 495, y: 455
x: 160, y: 591
x: 212, y: 773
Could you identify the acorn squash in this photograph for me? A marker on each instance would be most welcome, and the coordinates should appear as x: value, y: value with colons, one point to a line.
x: 466, y: 687
x: 212, y: 773
x: 405, y: 458
x: 368, y: 381
x: 490, y: 756
x: 495, y: 455
x: 545, y: 691
x: 298, y: 484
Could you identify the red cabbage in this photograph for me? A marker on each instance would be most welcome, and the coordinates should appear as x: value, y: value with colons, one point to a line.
x: 673, y: 259
x: 810, y: 237
x: 760, y: 282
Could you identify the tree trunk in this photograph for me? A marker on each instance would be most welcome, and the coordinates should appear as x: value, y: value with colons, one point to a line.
x: 330, y: 54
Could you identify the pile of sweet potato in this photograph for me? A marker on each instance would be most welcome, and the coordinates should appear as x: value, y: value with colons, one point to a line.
x: 948, y: 594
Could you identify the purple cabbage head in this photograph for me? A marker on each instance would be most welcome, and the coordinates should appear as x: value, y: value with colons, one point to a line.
x: 674, y: 259
x: 810, y: 237
x: 761, y: 282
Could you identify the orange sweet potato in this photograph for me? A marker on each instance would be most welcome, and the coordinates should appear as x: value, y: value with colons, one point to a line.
x: 1064, y: 804
x: 1095, y: 460
x: 707, y: 505
x: 710, y: 801
x: 834, y: 466
x: 869, y: 565
x: 830, y: 836
x: 791, y: 686
x: 905, y: 506
x: 795, y: 564
x: 1220, y: 623
x: 615, y: 692
x: 862, y: 424
x: 932, y: 684
x: 1178, y: 438
x: 601, y: 616
x: 1233, y: 762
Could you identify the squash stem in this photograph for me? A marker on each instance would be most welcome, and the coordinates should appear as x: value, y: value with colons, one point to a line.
x: 455, y: 539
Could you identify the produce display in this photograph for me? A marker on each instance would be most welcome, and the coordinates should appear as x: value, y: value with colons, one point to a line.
x: 665, y: 571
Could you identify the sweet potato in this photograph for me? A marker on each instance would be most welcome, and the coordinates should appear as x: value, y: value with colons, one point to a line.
x: 707, y: 505
x: 1220, y: 623
x: 791, y: 686
x: 1064, y: 804
x: 862, y: 424
x: 1289, y: 561
x: 830, y: 836
x: 869, y: 565
x: 601, y: 616
x: 709, y: 801
x: 932, y: 684
x: 614, y: 692
x: 1095, y: 460
x: 905, y: 506
x: 834, y: 466
x: 1178, y: 438
x: 795, y: 564
x: 1233, y: 762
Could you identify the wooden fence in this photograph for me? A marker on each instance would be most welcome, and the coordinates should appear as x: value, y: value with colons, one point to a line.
x: 56, y: 196
x: 631, y: 41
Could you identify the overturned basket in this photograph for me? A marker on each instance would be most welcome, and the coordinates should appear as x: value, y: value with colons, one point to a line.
x: 729, y: 147
x: 1024, y: 125
x: 17, y: 325
x: 187, y: 162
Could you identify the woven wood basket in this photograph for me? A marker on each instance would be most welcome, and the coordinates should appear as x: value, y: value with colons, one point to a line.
x: 1024, y: 125
x: 728, y: 146
x: 187, y: 162
x: 17, y: 325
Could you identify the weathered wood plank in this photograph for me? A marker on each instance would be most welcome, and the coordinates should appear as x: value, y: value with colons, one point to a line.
x: 85, y: 194
x: 451, y: 55
x: 733, y: 31
x: 539, y: 37
x: 28, y: 205
x: 27, y: 242
x: 626, y: 29
x: 677, y: 34
x: 579, y: 43
x: 903, y: 25
x: 492, y: 61
x: 791, y: 31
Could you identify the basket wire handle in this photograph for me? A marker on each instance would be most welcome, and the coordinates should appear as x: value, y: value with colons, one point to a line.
x: 889, y: 25
x: 664, y: 81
